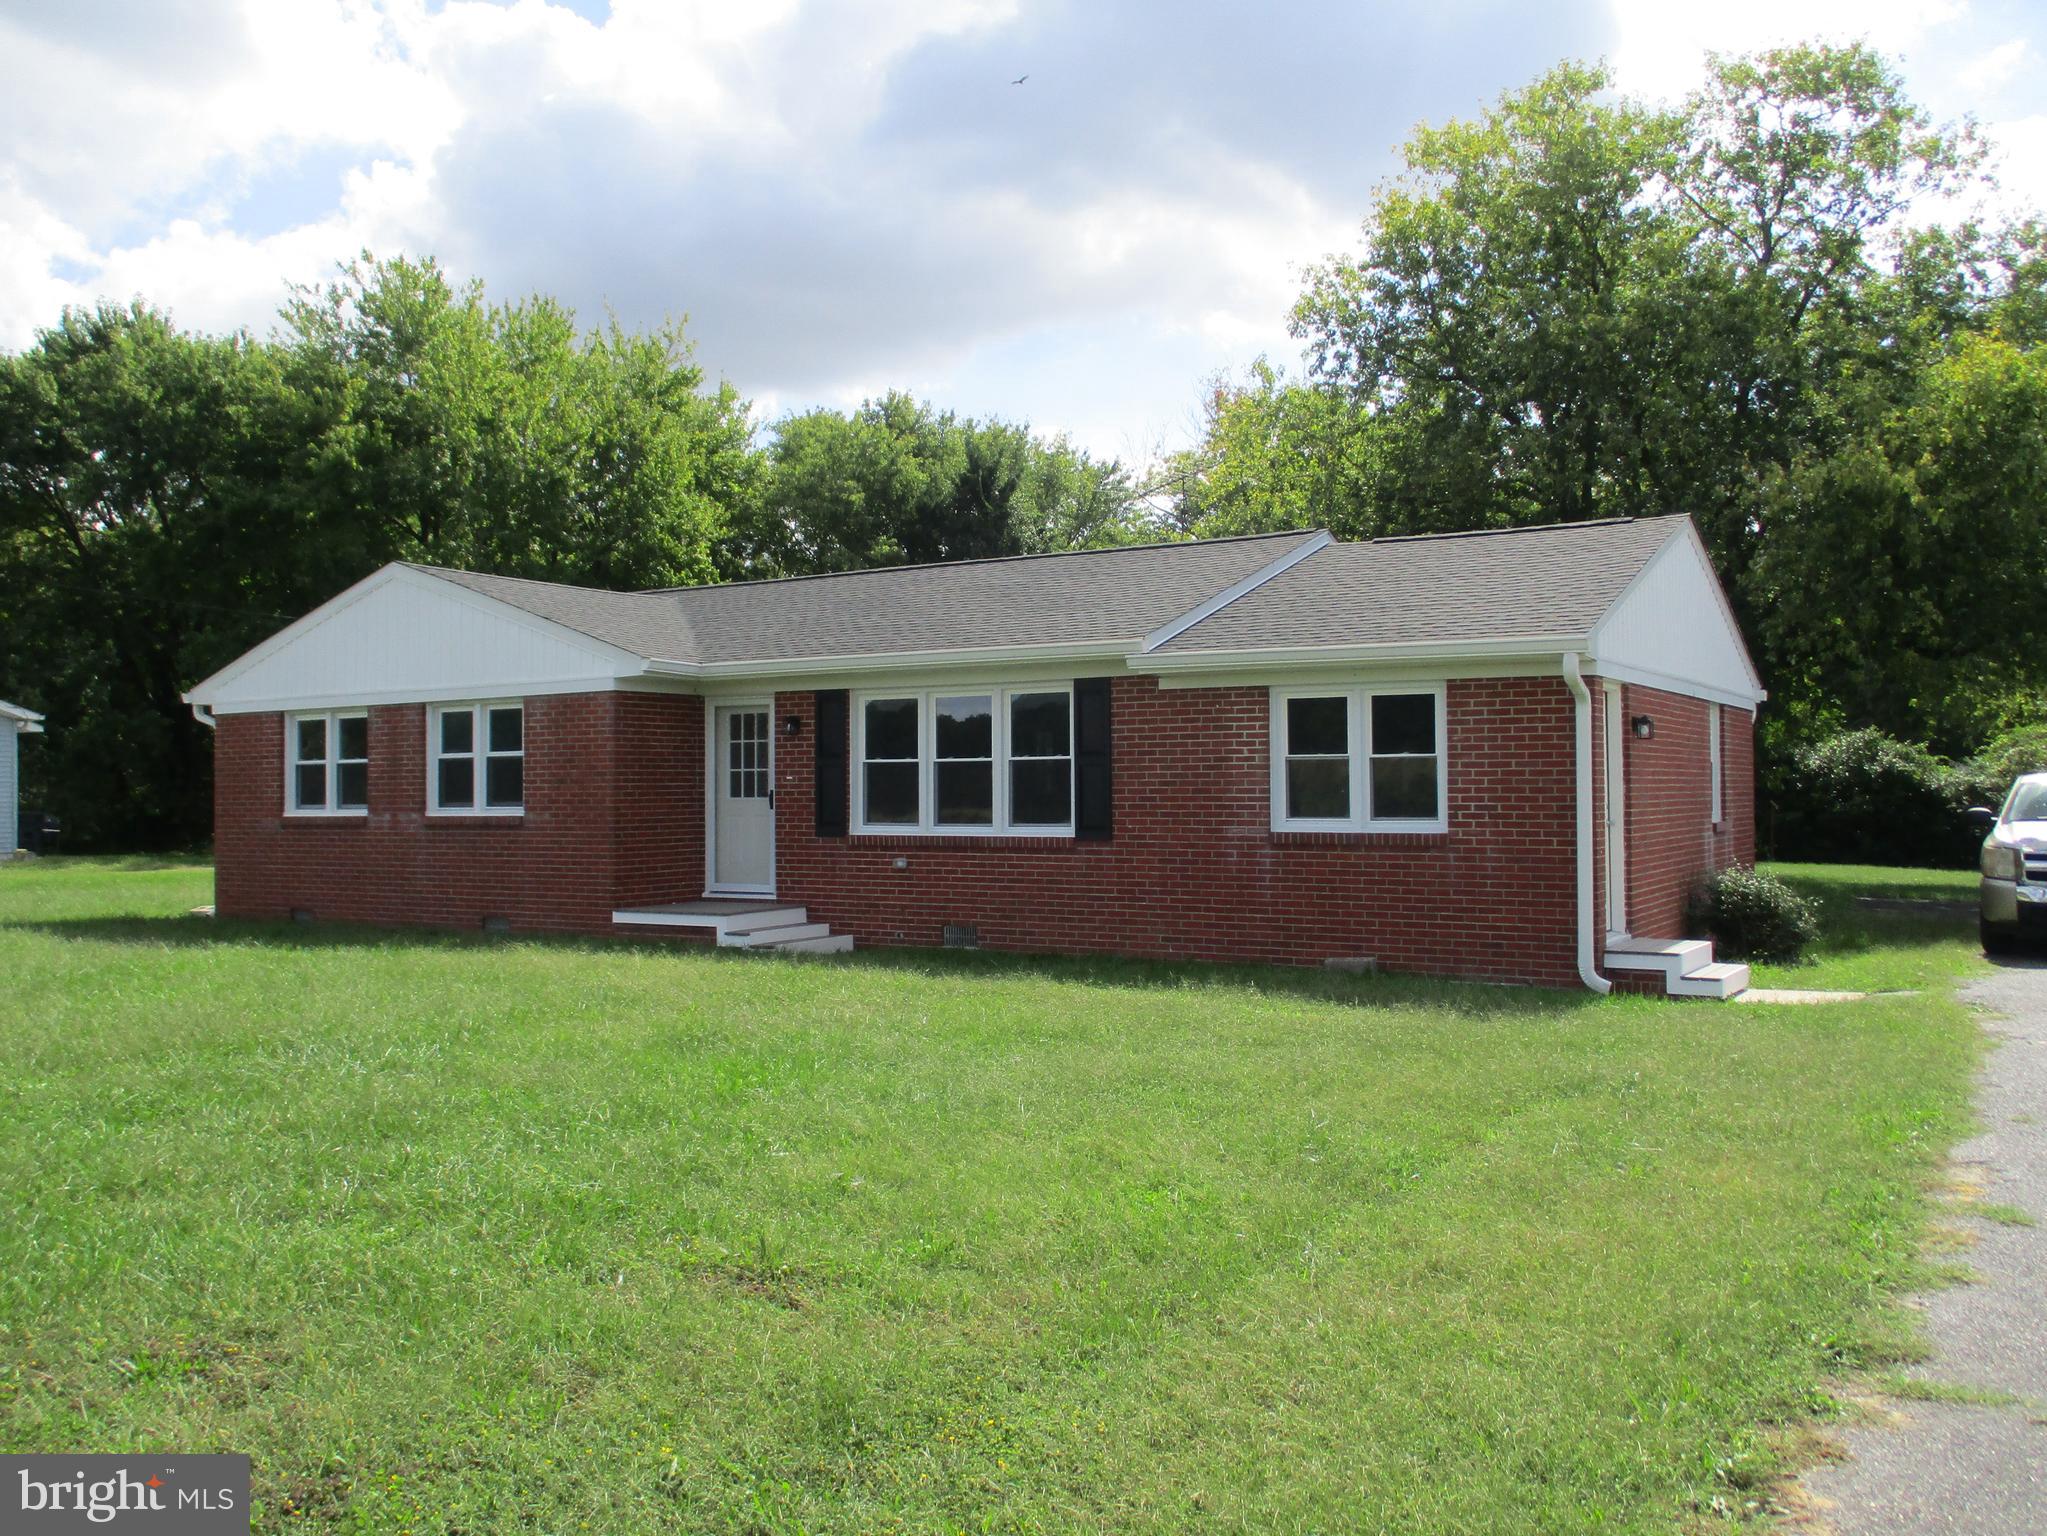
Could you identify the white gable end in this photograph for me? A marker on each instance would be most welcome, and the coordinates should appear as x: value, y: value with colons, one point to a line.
x: 401, y: 636
x: 1672, y: 629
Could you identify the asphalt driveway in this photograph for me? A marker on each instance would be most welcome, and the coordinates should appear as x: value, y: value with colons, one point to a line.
x: 1960, y: 1467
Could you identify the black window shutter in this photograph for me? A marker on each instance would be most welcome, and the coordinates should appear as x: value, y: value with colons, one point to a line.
x: 1091, y: 756
x: 831, y: 776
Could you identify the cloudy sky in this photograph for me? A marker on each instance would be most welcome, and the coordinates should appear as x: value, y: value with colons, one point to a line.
x: 843, y: 197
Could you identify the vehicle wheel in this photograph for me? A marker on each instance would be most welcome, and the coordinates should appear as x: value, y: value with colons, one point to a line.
x: 1997, y: 939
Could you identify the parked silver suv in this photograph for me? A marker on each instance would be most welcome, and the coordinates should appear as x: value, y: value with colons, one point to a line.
x: 2014, y: 889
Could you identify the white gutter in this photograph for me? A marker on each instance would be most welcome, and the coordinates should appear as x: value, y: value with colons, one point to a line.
x: 1588, y: 972
x: 204, y: 715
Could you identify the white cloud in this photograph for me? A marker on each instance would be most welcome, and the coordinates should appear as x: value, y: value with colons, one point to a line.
x: 845, y: 197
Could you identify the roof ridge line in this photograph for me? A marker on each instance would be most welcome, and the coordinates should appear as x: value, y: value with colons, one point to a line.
x: 949, y: 565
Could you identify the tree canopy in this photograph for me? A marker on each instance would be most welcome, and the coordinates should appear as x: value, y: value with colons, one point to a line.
x: 1578, y: 305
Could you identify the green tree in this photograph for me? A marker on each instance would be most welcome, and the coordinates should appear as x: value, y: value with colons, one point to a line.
x: 899, y: 482
x: 149, y: 532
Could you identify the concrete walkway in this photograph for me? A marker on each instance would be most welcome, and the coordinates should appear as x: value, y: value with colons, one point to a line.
x: 1956, y: 1467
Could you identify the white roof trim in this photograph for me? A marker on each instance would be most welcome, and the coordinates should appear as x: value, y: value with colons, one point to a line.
x: 26, y: 721
x: 1395, y: 650
x: 1321, y: 539
x: 890, y: 661
x: 1620, y: 672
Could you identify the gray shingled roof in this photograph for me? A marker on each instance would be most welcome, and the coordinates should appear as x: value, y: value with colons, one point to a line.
x: 1504, y: 585
x: 1515, y: 583
x: 1106, y: 596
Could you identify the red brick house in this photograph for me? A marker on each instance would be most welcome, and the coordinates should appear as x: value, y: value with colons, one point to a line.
x: 1499, y: 755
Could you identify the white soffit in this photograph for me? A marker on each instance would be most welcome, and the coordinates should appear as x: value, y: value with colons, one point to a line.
x: 402, y: 635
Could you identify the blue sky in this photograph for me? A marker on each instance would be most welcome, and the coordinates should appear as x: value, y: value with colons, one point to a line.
x: 843, y: 198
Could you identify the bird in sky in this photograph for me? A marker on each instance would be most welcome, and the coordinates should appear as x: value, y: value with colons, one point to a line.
x: 1019, y: 80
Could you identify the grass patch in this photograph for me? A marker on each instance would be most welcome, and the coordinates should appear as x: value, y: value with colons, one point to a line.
x: 1997, y: 1211
x: 1866, y: 949
x: 452, y: 1233
x: 1917, y: 1389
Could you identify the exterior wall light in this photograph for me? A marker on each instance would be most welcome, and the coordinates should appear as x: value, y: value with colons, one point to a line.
x: 792, y: 725
x: 1645, y: 727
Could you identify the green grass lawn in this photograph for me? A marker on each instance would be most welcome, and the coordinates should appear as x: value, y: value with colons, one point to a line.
x: 454, y: 1235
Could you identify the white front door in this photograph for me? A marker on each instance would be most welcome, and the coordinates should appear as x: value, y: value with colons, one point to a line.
x: 743, y: 800
x: 1616, y: 813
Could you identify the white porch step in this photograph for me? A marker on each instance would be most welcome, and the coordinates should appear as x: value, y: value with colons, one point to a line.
x: 1686, y: 965
x: 778, y: 934
x: 1673, y: 957
x: 1719, y: 981
x: 830, y: 944
x: 735, y: 928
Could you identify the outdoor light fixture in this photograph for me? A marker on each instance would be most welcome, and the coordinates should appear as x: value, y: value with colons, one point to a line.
x: 1645, y: 727
x: 792, y: 725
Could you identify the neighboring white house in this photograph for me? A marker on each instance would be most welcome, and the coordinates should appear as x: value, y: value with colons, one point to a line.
x: 15, y: 723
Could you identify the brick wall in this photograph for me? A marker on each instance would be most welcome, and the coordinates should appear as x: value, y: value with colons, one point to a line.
x: 1671, y: 837
x: 615, y: 817
x: 1194, y: 869
x: 614, y: 812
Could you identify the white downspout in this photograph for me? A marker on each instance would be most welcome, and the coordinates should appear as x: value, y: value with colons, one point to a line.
x: 1575, y: 679
x: 204, y: 716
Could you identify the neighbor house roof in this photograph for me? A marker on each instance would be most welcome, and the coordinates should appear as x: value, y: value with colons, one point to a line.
x: 27, y: 721
x: 1089, y: 597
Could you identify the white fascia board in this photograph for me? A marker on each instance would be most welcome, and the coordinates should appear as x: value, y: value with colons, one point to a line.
x: 621, y: 663
x: 1269, y: 658
x: 901, y: 661
x: 1321, y: 539
x: 1618, y: 672
x: 363, y: 698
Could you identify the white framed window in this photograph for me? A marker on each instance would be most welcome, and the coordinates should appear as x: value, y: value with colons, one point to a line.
x: 327, y: 764
x: 476, y: 759
x: 1359, y: 759
x: 971, y: 761
x: 1713, y: 761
